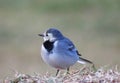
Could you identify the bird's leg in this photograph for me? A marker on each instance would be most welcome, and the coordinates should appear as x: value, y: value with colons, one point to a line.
x: 68, y: 70
x: 57, y: 72
x: 94, y: 68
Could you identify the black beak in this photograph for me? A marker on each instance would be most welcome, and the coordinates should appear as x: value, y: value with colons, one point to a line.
x: 41, y: 35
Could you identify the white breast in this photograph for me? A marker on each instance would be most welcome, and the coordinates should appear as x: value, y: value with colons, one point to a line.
x: 44, y: 55
x: 57, y: 59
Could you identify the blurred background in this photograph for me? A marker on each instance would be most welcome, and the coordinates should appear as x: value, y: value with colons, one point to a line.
x: 93, y: 25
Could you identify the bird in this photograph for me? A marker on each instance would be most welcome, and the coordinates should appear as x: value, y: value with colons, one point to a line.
x: 59, y: 51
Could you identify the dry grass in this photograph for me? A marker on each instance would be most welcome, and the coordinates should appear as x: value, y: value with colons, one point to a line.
x: 85, y: 75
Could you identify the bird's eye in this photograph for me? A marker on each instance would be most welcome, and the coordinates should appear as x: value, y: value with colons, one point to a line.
x: 46, y: 34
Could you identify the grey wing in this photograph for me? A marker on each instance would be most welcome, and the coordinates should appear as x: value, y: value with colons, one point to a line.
x: 70, y: 47
x: 73, y: 51
x: 78, y: 53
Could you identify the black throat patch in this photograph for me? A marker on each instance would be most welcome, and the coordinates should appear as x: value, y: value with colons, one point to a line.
x: 48, y: 45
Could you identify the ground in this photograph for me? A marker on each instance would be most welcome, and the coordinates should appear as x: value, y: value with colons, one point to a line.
x: 84, y: 75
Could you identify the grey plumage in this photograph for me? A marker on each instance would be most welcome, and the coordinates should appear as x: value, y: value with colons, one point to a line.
x: 59, y: 51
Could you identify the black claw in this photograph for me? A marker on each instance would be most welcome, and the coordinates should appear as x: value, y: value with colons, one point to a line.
x: 68, y: 70
x: 57, y: 72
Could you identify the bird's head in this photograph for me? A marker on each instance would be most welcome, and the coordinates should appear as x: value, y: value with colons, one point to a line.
x: 51, y: 34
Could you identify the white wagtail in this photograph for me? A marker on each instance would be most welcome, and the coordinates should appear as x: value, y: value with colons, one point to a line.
x: 58, y: 51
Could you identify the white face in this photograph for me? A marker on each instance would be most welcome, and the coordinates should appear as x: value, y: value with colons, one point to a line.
x: 49, y: 37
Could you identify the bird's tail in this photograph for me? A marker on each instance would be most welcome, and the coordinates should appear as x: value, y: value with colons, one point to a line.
x: 84, y: 61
